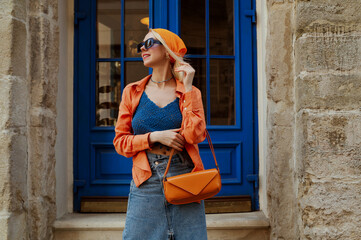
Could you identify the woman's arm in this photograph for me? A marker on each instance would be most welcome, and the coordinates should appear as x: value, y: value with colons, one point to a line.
x: 194, y: 124
x: 125, y: 142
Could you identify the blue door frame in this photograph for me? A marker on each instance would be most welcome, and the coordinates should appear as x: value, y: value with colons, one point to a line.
x: 236, y: 146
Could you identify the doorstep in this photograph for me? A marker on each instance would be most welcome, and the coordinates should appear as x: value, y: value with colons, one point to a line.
x: 78, y: 226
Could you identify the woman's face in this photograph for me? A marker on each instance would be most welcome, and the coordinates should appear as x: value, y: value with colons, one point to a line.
x: 154, y: 56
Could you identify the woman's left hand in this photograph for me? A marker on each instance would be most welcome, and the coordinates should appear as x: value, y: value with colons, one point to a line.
x: 188, y: 72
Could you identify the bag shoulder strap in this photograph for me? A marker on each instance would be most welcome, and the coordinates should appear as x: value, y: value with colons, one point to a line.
x: 211, y: 147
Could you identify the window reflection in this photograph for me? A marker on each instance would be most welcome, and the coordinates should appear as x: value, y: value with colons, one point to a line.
x: 221, y: 27
x: 222, y: 92
x: 108, y: 29
x: 107, y: 93
x: 221, y: 42
x: 136, y: 25
x: 193, y: 26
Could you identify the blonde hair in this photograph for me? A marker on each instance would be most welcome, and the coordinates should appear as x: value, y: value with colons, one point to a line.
x: 178, y: 59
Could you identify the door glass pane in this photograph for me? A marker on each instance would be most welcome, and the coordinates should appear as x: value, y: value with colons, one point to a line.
x: 135, y: 71
x: 200, y: 80
x: 108, y: 29
x: 136, y: 25
x: 221, y: 27
x: 222, y: 92
x: 107, y: 93
x: 193, y: 26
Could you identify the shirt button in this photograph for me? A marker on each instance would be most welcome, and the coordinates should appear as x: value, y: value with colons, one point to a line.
x: 156, y: 162
x: 185, y: 108
x: 184, y: 101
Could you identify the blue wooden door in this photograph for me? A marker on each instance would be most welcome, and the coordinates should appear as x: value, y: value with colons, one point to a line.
x: 220, y: 37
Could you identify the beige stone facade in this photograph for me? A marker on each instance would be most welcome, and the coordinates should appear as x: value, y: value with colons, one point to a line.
x: 29, y: 63
x: 309, y: 79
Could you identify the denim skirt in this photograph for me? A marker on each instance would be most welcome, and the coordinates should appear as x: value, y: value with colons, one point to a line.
x: 150, y: 216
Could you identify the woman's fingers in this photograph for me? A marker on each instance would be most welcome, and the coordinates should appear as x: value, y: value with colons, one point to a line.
x: 177, y: 146
x: 180, y: 137
x: 173, y: 139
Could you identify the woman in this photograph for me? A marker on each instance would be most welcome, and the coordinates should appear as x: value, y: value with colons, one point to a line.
x: 158, y: 113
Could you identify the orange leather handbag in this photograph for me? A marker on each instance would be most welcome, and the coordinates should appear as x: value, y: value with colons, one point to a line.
x: 193, y: 186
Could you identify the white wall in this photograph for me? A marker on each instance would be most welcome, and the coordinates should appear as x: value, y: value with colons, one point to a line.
x: 261, y: 10
x: 64, y: 121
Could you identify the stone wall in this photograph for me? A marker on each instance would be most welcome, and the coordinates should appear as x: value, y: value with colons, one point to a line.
x: 314, y: 119
x: 28, y: 87
x: 328, y: 101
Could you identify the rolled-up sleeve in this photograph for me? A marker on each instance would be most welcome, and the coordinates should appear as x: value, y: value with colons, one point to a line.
x: 194, y: 124
x: 125, y: 142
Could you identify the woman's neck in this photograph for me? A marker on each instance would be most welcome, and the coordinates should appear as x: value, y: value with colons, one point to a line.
x: 161, y: 74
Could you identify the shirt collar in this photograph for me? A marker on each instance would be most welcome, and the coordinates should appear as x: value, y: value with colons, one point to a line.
x: 140, y: 85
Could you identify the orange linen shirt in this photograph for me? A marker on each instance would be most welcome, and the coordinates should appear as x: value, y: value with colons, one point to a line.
x: 130, y: 145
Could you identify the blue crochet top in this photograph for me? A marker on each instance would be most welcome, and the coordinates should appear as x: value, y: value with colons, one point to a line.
x: 148, y: 117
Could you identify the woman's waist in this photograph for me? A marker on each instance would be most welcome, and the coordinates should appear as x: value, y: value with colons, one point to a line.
x: 161, y: 149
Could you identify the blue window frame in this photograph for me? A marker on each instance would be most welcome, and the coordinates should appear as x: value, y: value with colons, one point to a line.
x: 98, y: 169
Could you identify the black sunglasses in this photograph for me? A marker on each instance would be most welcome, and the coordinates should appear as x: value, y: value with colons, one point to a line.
x: 147, y: 44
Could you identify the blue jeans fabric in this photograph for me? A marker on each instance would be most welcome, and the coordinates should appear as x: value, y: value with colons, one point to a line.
x: 150, y: 216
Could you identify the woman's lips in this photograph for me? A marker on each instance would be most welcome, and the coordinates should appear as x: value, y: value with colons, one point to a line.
x: 145, y: 56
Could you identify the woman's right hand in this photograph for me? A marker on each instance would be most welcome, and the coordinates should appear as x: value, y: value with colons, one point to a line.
x: 170, y: 138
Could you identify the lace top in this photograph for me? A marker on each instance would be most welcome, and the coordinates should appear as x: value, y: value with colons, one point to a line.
x: 149, y: 117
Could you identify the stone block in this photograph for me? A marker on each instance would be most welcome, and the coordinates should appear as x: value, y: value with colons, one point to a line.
x: 282, y: 113
x: 41, y: 171
x: 13, y: 168
x: 5, y: 153
x: 20, y: 10
x: 19, y: 42
x: 333, y: 132
x: 17, y: 226
x: 12, y: 47
x: 4, y: 222
x: 19, y: 167
x: 13, y: 102
x: 42, y: 117
x: 34, y: 47
x: 39, y: 6
x: 6, y: 28
x: 53, y: 9
x: 5, y: 92
x: 337, y: 11
x: 13, y: 8
x: 41, y: 182
x: 44, y: 65
x: 280, y: 182
x: 330, y: 210
x: 330, y: 145
x: 339, y: 165
x: 42, y: 214
x: 328, y: 91
x: 280, y: 55
x: 324, y: 53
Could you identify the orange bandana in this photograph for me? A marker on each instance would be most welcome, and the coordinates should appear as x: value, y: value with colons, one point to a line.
x: 174, y: 42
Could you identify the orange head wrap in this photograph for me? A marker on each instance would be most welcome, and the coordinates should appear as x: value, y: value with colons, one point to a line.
x: 173, y: 41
